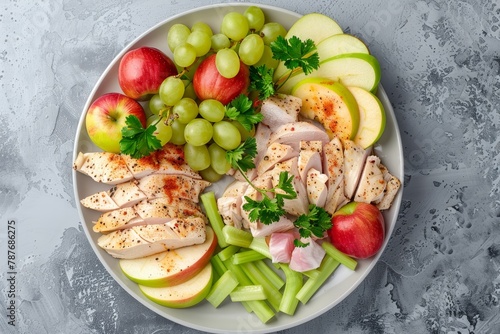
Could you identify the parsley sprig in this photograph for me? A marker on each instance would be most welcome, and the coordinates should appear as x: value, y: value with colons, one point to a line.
x: 138, y: 141
x: 296, y: 55
x: 315, y: 223
x: 241, y: 109
x: 268, y: 209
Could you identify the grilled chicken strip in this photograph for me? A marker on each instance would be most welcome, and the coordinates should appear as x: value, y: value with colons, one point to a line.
x: 390, y: 191
x: 354, y: 162
x: 317, y: 191
x: 293, y: 133
x: 119, y: 196
x: 280, y: 110
x: 104, y: 167
x: 275, y: 153
x: 172, y: 186
x: 333, y: 167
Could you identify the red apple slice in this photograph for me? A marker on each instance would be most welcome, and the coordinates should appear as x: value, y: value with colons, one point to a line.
x: 183, y: 295
x: 171, y: 267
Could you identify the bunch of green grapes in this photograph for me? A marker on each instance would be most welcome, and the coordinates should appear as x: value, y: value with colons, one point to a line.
x: 201, y: 126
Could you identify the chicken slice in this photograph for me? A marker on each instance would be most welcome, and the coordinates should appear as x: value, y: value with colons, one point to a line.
x: 308, y: 257
x: 161, y: 210
x: 354, y: 162
x: 127, y: 194
x: 316, y: 187
x: 117, y: 219
x: 281, y: 246
x: 235, y: 189
x: 264, y: 181
x: 371, y: 184
x: 101, y: 201
x: 141, y: 167
x: 280, y: 110
x: 172, y: 186
x: 333, y: 167
x: 275, y: 153
x: 262, y: 230
x: 309, y: 160
x: 300, y: 204
x: 262, y: 134
x: 311, y: 145
x: 105, y: 167
x: 390, y: 191
x: 171, y: 161
x: 229, y: 204
x: 293, y: 133
x: 143, y: 241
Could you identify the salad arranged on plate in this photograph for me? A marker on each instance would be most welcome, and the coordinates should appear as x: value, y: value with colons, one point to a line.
x: 285, y: 121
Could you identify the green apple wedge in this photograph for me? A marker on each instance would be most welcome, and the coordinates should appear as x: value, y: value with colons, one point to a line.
x: 171, y: 267
x: 371, y: 117
x: 331, y: 104
x: 314, y: 26
x: 351, y: 69
x: 183, y: 295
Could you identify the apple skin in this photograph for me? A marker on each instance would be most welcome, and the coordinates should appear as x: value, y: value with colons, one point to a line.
x: 358, y: 230
x: 209, y: 84
x: 106, y: 117
x: 142, y: 70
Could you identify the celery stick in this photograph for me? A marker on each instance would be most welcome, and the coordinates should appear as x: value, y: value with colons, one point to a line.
x: 247, y: 256
x: 222, y: 288
x: 271, y: 275
x: 248, y: 293
x: 313, y: 273
x: 218, y: 265
x: 258, y: 278
x: 260, y: 245
x: 294, y: 282
x: 237, y: 237
x: 344, y: 259
x: 228, y: 252
x: 327, y: 267
x: 212, y: 211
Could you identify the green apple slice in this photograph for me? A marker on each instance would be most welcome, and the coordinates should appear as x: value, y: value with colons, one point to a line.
x: 171, y: 267
x: 314, y: 26
x: 183, y: 295
x: 371, y: 117
x: 351, y: 69
x: 340, y: 44
x: 331, y: 104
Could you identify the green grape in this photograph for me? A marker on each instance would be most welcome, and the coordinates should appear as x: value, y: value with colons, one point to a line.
x: 270, y: 31
x: 185, y: 55
x: 177, y: 35
x: 251, y: 49
x: 226, y: 135
x: 189, y: 90
x: 163, y: 132
x: 185, y: 110
x: 171, y: 90
x: 202, y: 26
x: 267, y: 58
x: 156, y: 105
x: 220, y: 41
x: 212, y: 110
x: 208, y: 174
x: 197, y: 157
x: 201, y: 42
x: 255, y: 17
x: 198, y: 132
x: 227, y: 63
x: 178, y: 133
x: 235, y: 26
x: 243, y: 132
x: 218, y: 159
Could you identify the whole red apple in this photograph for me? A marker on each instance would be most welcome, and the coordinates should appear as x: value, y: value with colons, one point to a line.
x: 106, y: 118
x: 358, y: 230
x: 141, y: 72
x: 209, y: 84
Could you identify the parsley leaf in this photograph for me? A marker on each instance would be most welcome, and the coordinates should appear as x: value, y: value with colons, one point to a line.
x: 242, y: 157
x: 267, y: 210
x: 315, y: 223
x: 241, y: 109
x: 138, y: 141
x: 261, y: 80
x: 296, y: 53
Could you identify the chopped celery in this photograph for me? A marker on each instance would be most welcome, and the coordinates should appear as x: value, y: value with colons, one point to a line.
x: 218, y: 266
x: 273, y: 277
x: 260, y: 245
x: 344, y: 259
x: 248, y: 293
x: 258, y: 278
x: 212, y: 211
x: 247, y: 256
x: 313, y: 273
x: 327, y: 267
x: 228, y: 252
x: 237, y: 237
x: 222, y: 288
x: 294, y: 282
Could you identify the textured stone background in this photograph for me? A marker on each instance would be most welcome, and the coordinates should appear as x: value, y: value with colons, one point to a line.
x: 441, y: 70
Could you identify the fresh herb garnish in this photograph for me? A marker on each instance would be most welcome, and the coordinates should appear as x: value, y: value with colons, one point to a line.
x: 267, y: 210
x: 295, y: 54
x: 241, y: 109
x: 315, y: 223
x: 138, y: 141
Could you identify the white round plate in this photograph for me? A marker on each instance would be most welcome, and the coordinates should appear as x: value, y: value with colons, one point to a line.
x: 230, y: 317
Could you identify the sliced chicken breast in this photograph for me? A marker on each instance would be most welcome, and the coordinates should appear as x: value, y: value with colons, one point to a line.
x: 172, y: 186
x: 171, y: 161
x: 333, y: 167
x: 163, y: 209
x: 119, y: 196
x: 293, y: 133
x: 264, y: 181
x: 354, y: 162
x: 230, y: 210
x: 141, y: 167
x: 300, y: 204
x: 390, y: 191
x: 280, y: 110
x: 262, y: 134
x: 316, y: 187
x: 308, y: 160
x: 117, y: 219
x: 101, y: 201
x: 276, y: 152
x: 105, y: 167
x: 371, y: 184
x: 261, y: 230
